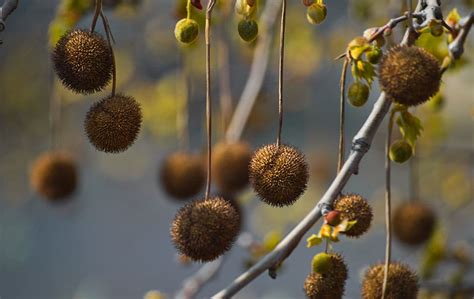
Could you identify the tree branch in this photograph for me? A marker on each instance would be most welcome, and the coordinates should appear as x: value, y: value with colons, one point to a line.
x: 456, y: 48
x: 5, y: 10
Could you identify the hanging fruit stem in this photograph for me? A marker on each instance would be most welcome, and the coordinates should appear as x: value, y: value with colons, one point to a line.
x: 280, y: 71
x: 97, y: 12
x: 342, y: 105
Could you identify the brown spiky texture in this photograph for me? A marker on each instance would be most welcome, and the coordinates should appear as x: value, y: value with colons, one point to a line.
x: 230, y: 166
x: 279, y: 175
x: 329, y: 285
x: 413, y: 222
x: 83, y: 61
x: 54, y: 176
x: 113, y: 123
x: 205, y: 229
x: 182, y: 175
x: 354, y: 207
x: 409, y: 75
x: 402, y: 282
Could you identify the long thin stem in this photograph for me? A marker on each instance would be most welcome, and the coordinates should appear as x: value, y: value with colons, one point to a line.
x: 188, y: 9
x: 108, y: 34
x: 388, y: 207
x: 97, y: 12
x: 280, y: 71
x: 210, y: 6
x: 342, y: 105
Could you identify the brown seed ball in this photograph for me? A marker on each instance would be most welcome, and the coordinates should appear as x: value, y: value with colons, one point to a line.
x: 182, y: 175
x: 54, y: 176
x: 279, y: 175
x: 355, y: 207
x: 230, y: 166
x: 413, y: 223
x: 83, y: 61
x: 205, y: 229
x: 113, y: 123
x: 409, y: 75
x: 329, y: 285
x: 402, y: 282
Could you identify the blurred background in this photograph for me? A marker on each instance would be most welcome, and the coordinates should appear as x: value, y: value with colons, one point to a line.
x: 111, y: 238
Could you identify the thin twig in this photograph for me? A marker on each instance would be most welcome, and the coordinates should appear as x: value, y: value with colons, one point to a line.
x: 210, y: 6
x: 280, y: 71
x: 388, y: 205
x: 456, y: 48
x: 342, y: 105
x: 97, y: 12
x: 257, y: 72
x: 5, y: 10
x: 108, y: 34
x: 193, y: 284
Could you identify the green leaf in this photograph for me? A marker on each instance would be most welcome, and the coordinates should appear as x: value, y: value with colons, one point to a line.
x: 410, y: 127
x: 313, y: 240
x: 363, y: 70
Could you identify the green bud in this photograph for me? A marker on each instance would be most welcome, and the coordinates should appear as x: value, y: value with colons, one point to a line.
x: 374, y: 55
x: 186, y: 31
x: 248, y: 30
x: 400, y: 151
x: 321, y: 263
x: 316, y: 13
x: 358, y: 94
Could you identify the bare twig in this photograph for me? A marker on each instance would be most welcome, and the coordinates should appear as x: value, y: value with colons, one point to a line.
x: 257, y: 72
x: 193, y: 284
x: 5, y: 10
x: 456, y: 48
x: 97, y: 12
x: 342, y: 105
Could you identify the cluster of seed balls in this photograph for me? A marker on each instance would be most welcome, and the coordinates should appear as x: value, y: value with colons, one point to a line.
x: 329, y: 278
x: 84, y: 63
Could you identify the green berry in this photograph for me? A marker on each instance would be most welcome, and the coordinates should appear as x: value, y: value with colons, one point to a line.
x: 374, y: 55
x: 186, y: 31
x: 316, y: 13
x: 358, y: 94
x: 400, y: 151
x: 321, y: 263
x: 248, y: 30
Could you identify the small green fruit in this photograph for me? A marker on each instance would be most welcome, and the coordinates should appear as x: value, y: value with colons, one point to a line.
x: 374, y: 55
x: 358, y: 94
x: 186, y: 31
x: 248, y: 30
x: 316, y: 13
x: 400, y: 151
x: 321, y: 263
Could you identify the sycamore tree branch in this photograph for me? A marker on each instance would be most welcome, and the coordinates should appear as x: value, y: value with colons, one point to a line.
x: 360, y: 146
x: 5, y: 10
x: 456, y: 48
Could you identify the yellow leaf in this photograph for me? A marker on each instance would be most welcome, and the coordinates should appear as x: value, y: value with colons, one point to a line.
x: 313, y: 240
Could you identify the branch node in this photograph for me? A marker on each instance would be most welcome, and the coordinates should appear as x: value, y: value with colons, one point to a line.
x: 324, y: 207
x: 272, y: 272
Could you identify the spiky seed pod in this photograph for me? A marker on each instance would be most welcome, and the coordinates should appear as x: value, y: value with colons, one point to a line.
x: 330, y: 284
x: 83, y: 61
x: 409, y: 75
x: 279, y: 175
x: 358, y: 94
x: 400, y: 151
x: 54, y: 176
x: 248, y: 29
x: 316, y: 13
x: 230, y: 166
x: 355, y: 207
x: 413, y: 222
x: 186, y: 31
x: 113, y: 123
x: 182, y: 175
x: 402, y: 282
x: 205, y: 229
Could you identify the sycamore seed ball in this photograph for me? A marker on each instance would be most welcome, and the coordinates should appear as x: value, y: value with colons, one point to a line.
x: 409, y: 75
x: 279, y: 175
x: 230, y: 166
x: 182, y: 175
x: 205, y: 229
x: 113, y: 124
x: 355, y: 207
x: 54, y: 176
x: 358, y: 94
x: 248, y: 29
x: 400, y: 151
x: 83, y: 61
x: 331, y: 283
x: 413, y: 222
x: 316, y: 13
x: 186, y: 31
x: 402, y: 282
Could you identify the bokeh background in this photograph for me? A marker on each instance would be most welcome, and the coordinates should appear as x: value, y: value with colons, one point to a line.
x: 111, y: 239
